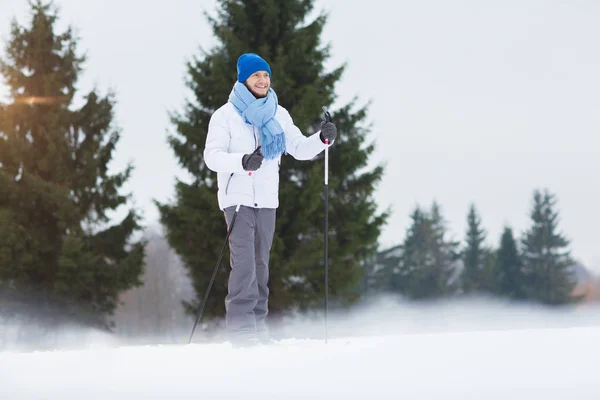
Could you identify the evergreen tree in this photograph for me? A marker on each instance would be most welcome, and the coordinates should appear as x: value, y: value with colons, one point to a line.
x: 279, y: 32
x: 59, y: 257
x: 446, y: 252
x: 427, y: 264
x: 490, y: 277
x: 546, y: 259
x: 413, y: 256
x: 509, y: 267
x: 474, y: 255
x: 381, y: 272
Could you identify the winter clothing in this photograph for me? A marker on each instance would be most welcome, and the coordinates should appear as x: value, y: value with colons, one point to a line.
x: 252, y: 162
x: 249, y: 243
x: 328, y: 131
x: 248, y: 64
x: 230, y: 138
x: 261, y: 114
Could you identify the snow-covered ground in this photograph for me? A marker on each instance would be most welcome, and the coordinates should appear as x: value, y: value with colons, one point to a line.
x: 452, y: 351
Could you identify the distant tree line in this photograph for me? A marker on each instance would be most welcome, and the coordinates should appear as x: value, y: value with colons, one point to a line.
x: 537, y: 266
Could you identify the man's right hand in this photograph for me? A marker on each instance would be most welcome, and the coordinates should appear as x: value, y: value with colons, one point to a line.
x: 252, y: 162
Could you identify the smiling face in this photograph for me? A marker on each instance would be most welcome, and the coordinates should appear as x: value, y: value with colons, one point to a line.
x: 259, y: 83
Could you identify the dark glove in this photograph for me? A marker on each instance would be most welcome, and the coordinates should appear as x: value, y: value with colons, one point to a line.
x: 252, y: 162
x: 328, y: 132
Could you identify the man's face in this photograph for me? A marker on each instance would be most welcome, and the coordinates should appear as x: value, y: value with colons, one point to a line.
x: 259, y: 83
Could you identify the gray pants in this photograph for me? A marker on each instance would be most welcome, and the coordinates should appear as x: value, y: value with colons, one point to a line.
x: 246, y: 303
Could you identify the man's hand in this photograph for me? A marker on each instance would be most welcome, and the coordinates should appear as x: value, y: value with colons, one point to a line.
x: 252, y: 162
x: 328, y: 132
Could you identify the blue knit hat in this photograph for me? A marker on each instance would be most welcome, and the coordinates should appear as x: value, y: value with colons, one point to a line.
x: 248, y: 64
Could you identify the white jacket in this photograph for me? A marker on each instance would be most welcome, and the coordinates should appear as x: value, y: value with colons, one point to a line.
x: 229, y: 138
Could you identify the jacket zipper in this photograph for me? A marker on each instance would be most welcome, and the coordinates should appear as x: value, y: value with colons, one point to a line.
x: 255, y: 146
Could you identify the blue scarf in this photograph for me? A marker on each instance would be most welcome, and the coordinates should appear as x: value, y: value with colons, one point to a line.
x: 261, y: 114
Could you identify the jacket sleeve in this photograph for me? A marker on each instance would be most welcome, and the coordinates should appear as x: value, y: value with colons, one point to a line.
x: 216, y: 151
x: 297, y: 145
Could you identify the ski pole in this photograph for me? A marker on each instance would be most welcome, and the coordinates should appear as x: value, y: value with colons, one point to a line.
x: 214, y: 273
x: 326, y: 189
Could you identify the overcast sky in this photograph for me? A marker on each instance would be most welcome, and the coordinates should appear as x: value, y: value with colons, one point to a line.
x: 471, y: 101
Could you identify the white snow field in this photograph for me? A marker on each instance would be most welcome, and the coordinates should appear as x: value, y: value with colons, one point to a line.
x: 387, y: 351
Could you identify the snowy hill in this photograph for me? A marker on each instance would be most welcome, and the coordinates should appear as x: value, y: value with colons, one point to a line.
x: 492, y: 351
x: 529, y: 364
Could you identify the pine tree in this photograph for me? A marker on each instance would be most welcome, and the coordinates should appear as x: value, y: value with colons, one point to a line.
x: 279, y: 32
x: 546, y: 258
x: 381, y: 272
x: 60, y: 259
x: 427, y: 265
x: 490, y: 277
x: 474, y: 257
x: 509, y: 267
x: 446, y: 252
x: 413, y: 257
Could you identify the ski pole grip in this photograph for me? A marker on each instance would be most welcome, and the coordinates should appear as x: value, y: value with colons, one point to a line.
x: 327, y: 114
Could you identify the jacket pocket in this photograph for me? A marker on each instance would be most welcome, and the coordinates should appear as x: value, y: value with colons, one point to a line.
x: 238, y: 183
x: 228, y: 182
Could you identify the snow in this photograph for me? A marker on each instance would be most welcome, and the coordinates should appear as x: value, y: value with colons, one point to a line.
x: 398, y: 351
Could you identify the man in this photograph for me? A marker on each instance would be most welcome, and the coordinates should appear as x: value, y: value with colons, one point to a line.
x: 246, y: 138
